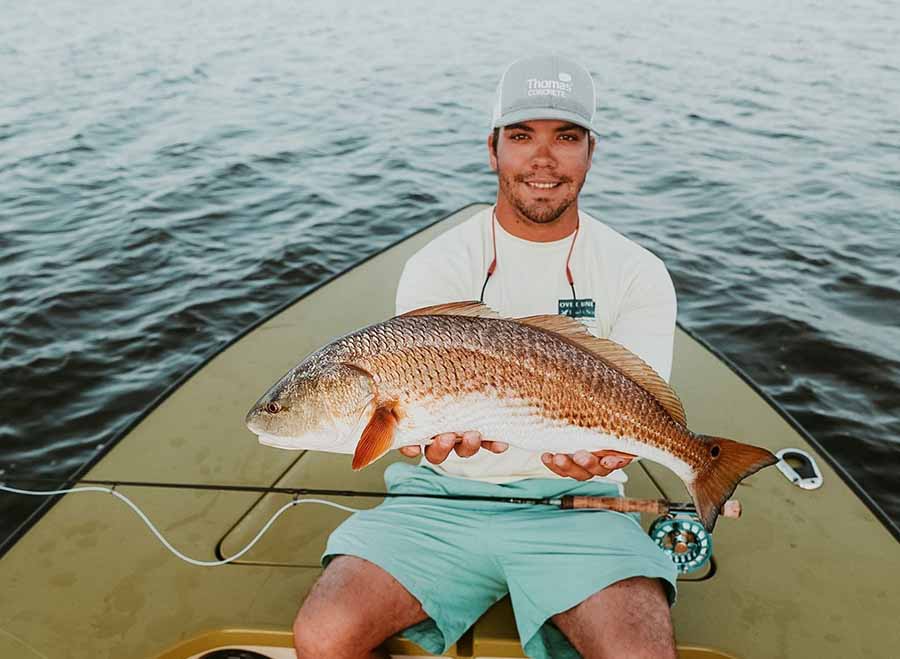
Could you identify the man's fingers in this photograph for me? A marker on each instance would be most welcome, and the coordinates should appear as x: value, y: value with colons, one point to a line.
x: 469, y: 444
x: 570, y: 468
x: 583, y: 465
x: 613, y: 462
x: 440, y: 448
x: 587, y: 461
x: 563, y: 465
x: 613, y: 459
x: 465, y: 444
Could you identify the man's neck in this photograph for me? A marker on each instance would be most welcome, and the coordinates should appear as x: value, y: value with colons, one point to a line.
x: 513, y: 222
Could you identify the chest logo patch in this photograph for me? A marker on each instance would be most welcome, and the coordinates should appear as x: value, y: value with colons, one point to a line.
x: 584, y: 308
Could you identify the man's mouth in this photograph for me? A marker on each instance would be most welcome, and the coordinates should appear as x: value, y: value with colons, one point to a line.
x: 543, y: 185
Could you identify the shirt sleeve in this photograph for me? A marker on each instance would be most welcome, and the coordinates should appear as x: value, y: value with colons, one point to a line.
x: 646, y: 321
x: 430, y: 277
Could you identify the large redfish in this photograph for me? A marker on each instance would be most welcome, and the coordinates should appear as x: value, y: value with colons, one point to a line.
x: 541, y: 383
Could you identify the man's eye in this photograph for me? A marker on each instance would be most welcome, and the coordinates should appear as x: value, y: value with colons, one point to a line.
x: 568, y: 137
x: 516, y: 136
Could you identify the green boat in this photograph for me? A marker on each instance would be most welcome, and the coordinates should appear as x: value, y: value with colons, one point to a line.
x: 810, y: 570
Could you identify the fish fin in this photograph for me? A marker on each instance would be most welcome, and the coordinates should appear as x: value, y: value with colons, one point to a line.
x: 377, y: 437
x: 467, y: 308
x: 617, y: 356
x: 732, y: 463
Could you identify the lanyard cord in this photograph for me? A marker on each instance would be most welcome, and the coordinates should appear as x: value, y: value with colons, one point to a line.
x: 493, y: 266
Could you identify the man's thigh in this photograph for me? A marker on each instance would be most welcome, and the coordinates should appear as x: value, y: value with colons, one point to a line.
x: 557, y: 560
x: 436, y: 552
x: 629, y: 618
x: 358, y: 602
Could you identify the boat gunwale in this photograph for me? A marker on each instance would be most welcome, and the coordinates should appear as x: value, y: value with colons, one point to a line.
x: 8, y: 542
x: 839, y: 469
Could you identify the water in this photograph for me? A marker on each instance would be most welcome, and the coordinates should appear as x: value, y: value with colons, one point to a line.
x: 172, y: 172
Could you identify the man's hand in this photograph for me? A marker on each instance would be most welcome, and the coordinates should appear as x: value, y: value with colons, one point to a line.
x: 584, y: 465
x: 466, y: 445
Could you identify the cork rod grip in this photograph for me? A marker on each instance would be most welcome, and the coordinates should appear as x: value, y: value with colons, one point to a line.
x: 732, y: 507
x: 656, y: 506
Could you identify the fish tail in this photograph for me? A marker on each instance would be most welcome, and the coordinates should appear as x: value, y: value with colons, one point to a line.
x: 731, y: 462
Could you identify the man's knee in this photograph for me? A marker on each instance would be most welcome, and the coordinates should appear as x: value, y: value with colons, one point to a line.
x: 647, y: 617
x: 642, y: 600
x: 635, y: 616
x: 340, y: 631
x: 310, y: 642
x: 352, y: 608
x: 325, y: 626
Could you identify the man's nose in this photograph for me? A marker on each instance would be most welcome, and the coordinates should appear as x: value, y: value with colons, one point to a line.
x: 543, y: 155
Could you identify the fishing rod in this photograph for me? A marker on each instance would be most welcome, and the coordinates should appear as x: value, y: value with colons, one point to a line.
x: 677, y: 531
x: 731, y: 508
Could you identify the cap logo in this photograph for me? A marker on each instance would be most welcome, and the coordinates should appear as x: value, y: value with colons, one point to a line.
x: 537, y: 87
x: 545, y: 87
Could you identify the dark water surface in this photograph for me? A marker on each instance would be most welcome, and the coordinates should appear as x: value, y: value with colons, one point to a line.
x: 172, y: 172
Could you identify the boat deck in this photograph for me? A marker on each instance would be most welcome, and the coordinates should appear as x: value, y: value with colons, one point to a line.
x: 803, y: 574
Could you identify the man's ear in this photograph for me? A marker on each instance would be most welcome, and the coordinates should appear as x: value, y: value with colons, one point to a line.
x: 492, y: 153
x: 592, y: 143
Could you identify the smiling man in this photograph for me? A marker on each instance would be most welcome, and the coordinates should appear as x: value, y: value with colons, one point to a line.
x: 590, y: 584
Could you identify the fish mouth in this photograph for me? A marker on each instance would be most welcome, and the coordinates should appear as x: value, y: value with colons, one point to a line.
x: 290, y: 443
x: 252, y: 426
x: 328, y: 441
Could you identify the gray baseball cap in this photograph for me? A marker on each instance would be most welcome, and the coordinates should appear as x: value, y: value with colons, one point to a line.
x: 545, y: 87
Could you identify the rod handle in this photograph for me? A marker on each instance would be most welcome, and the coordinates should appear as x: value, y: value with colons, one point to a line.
x: 618, y: 504
x: 731, y: 508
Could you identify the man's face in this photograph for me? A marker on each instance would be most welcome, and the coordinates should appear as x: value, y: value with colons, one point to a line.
x: 541, y: 166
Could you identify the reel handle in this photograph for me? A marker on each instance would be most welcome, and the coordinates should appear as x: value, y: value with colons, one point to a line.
x: 732, y: 508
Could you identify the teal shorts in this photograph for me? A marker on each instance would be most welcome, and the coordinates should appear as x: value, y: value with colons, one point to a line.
x: 459, y: 557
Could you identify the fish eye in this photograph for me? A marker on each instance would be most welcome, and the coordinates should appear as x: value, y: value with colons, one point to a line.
x: 273, y: 407
x: 714, y: 451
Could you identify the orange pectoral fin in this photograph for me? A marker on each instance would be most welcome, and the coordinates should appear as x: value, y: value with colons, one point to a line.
x: 377, y: 437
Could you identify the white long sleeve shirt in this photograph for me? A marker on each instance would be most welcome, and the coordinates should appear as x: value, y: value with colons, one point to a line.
x: 624, y: 292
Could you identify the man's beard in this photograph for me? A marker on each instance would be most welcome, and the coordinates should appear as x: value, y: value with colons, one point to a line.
x: 538, y: 212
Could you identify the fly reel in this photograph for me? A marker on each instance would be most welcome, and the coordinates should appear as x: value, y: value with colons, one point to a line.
x: 684, y: 541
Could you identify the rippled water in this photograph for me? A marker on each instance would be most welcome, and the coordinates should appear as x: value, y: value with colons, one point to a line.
x: 170, y: 173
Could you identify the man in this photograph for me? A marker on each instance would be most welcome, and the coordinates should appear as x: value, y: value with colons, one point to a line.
x: 590, y: 581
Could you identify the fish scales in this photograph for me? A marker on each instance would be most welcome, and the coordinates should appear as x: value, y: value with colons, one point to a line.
x: 424, y: 359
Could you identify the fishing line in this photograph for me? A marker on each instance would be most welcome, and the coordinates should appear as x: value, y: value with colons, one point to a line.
x: 293, y: 491
x: 296, y: 492
x: 690, y: 543
x: 140, y: 513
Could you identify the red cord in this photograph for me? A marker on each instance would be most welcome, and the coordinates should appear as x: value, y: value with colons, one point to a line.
x: 493, y: 265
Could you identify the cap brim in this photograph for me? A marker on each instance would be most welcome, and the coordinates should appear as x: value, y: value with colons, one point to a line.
x: 531, y: 114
